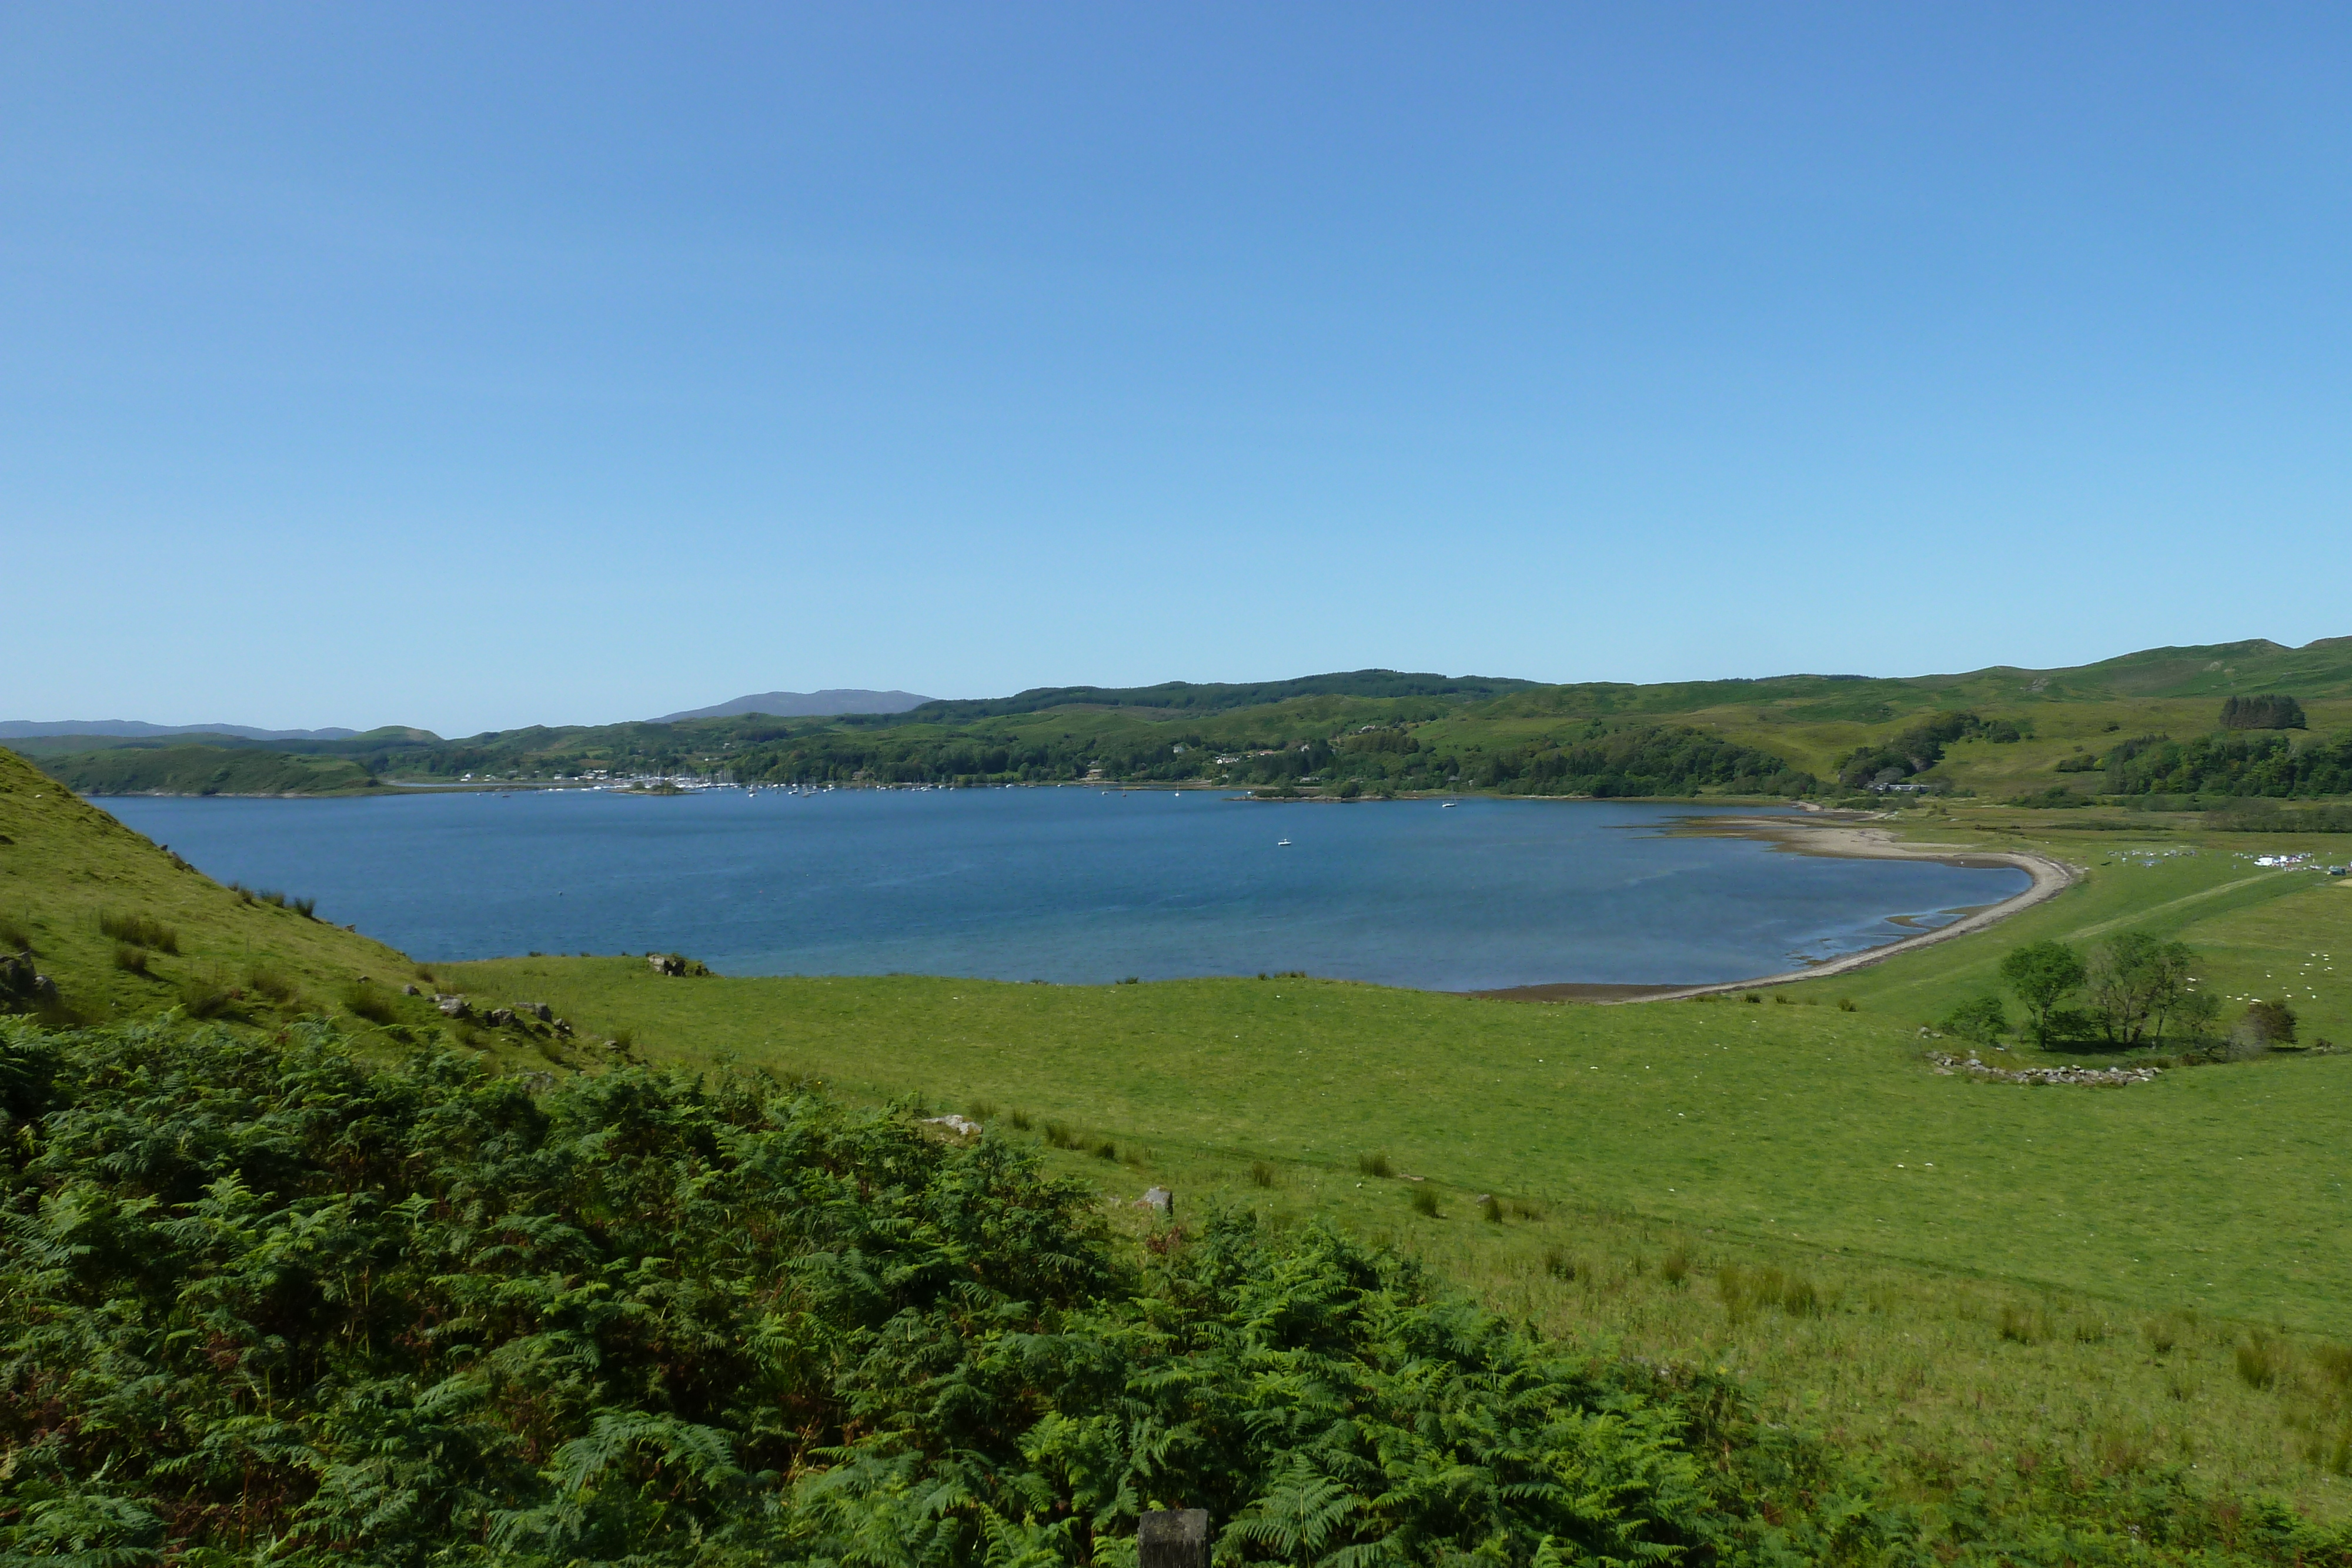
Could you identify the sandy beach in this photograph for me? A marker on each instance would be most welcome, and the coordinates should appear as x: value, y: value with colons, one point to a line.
x: 1845, y: 839
x: 1852, y: 840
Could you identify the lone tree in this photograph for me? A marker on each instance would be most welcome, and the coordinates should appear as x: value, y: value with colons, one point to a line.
x: 2271, y: 712
x: 2135, y: 981
x: 2042, y: 974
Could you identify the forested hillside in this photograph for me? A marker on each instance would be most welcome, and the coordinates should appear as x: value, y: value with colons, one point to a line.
x: 2000, y: 732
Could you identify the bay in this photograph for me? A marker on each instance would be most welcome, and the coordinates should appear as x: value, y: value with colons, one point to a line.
x: 1073, y: 885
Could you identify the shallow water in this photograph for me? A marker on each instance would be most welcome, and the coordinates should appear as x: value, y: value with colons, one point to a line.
x: 1069, y: 884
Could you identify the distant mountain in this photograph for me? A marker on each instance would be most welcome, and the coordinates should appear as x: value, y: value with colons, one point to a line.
x: 31, y: 729
x: 804, y: 705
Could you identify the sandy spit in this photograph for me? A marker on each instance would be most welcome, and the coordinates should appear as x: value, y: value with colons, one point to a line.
x: 2050, y: 877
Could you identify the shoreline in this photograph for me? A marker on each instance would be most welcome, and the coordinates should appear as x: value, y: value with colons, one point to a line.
x: 1844, y: 840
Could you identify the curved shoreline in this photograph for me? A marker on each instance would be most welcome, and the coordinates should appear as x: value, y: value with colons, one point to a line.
x: 1845, y: 842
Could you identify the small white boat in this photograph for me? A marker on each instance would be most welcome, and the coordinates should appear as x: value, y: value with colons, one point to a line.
x: 1445, y: 805
x: 1282, y: 844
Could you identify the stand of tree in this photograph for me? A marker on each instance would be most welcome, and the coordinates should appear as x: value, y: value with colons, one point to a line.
x: 1921, y: 746
x: 2236, y: 766
x: 2265, y: 712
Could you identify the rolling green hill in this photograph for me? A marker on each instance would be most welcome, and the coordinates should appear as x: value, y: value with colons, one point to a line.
x: 2118, y: 1307
x: 2003, y: 732
x: 148, y: 768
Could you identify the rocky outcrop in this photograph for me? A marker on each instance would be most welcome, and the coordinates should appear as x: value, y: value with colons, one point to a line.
x: 2106, y: 1076
x: 21, y: 984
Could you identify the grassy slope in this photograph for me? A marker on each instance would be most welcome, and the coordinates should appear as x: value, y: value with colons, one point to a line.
x: 63, y: 862
x: 2030, y: 1293
x: 204, y: 770
x: 2006, y: 1267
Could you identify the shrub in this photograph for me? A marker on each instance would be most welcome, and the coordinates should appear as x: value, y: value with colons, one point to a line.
x: 1800, y: 1299
x: 139, y: 930
x: 1106, y: 1150
x: 1059, y: 1136
x: 957, y: 1317
x: 371, y: 1002
x: 1845, y: 1005
x: 203, y: 1000
x: 2161, y: 1334
x: 1558, y: 1264
x: 1674, y: 1268
x: 269, y: 983
x: 1020, y: 1120
x: 1261, y: 1174
x: 1424, y: 1200
x: 129, y: 959
x: 2024, y: 1325
x: 2265, y: 1024
x: 1981, y: 1019
x: 1490, y: 1210
x: 1375, y: 1165
x: 2261, y: 1359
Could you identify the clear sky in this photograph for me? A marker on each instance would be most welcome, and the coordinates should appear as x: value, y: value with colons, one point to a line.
x: 472, y: 366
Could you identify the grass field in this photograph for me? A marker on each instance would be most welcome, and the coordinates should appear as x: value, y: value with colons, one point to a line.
x: 1968, y: 1278
x: 1981, y: 1284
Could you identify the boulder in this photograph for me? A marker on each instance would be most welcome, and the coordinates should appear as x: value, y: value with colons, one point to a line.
x: 1159, y: 1200
x: 410, y: 990
x: 539, y: 1010
x: 961, y: 1127
x: 501, y: 1017
x: 452, y: 1007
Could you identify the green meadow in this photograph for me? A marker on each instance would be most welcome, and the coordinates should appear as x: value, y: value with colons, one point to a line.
x: 1983, y: 1288
x: 1966, y: 1279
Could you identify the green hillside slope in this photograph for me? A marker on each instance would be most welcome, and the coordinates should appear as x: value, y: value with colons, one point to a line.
x: 2002, y: 732
x: 178, y: 769
x: 67, y: 871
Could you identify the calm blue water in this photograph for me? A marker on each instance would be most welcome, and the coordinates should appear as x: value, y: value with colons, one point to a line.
x: 1066, y: 885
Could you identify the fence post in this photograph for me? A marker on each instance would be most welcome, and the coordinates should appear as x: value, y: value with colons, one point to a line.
x: 1174, y: 1538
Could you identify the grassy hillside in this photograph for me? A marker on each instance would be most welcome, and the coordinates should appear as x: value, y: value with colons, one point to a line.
x: 67, y: 868
x: 1968, y: 1278
x: 151, y: 768
x: 1992, y: 1291
x: 2026, y: 731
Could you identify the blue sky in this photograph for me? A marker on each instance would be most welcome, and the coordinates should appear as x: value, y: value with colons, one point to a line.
x: 475, y: 366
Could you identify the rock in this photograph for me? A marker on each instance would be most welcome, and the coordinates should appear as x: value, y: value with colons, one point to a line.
x: 1172, y: 1537
x: 961, y: 1127
x: 664, y: 964
x: 539, y: 1010
x: 1160, y: 1199
x: 501, y: 1017
x: 562, y: 1026
x: 410, y: 990
x: 452, y: 1007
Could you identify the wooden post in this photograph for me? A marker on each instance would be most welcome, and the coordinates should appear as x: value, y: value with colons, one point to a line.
x: 1174, y: 1538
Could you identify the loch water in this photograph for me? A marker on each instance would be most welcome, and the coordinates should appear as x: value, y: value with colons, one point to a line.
x: 1073, y: 885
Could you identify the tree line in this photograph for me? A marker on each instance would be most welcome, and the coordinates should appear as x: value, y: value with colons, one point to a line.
x: 2229, y: 764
